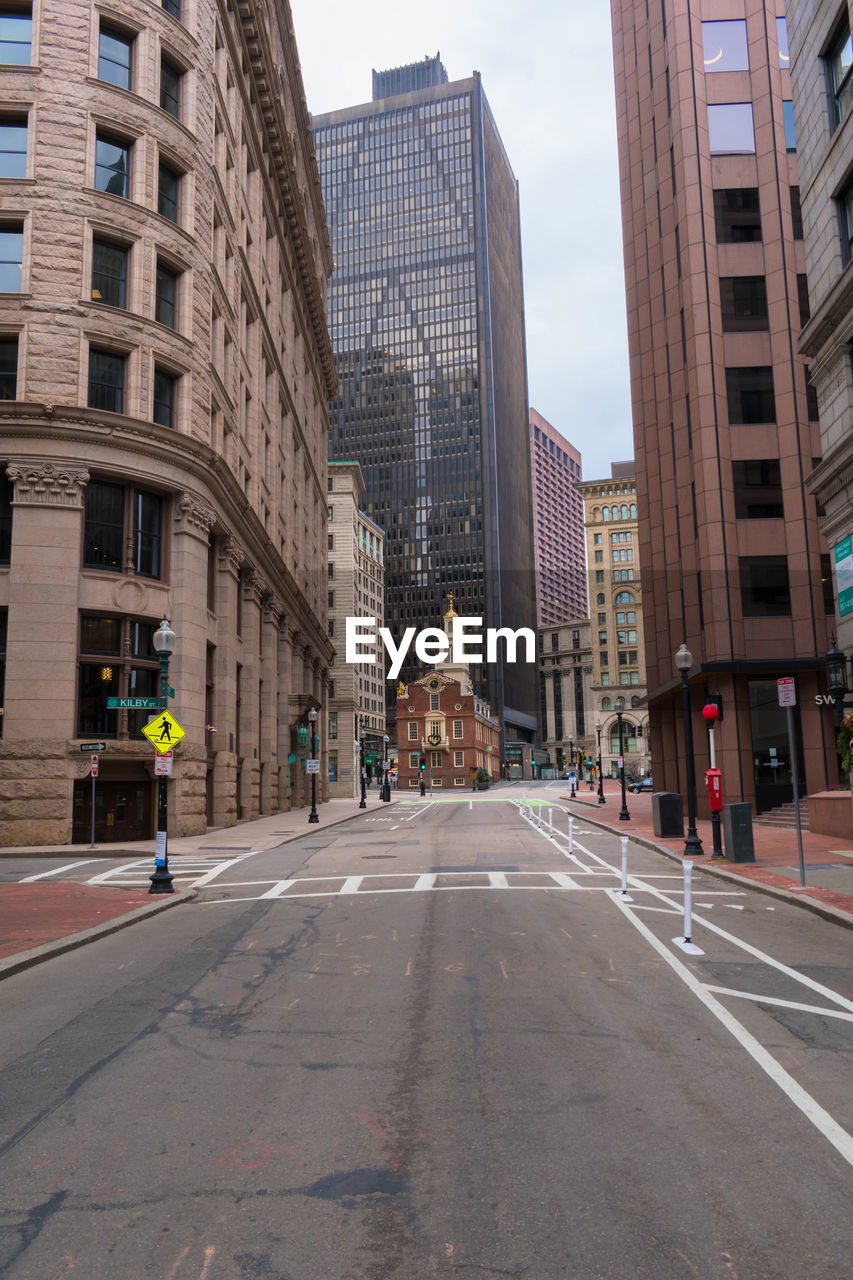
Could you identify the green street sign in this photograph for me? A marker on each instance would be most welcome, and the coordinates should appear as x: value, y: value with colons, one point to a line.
x: 134, y: 704
x: 844, y: 576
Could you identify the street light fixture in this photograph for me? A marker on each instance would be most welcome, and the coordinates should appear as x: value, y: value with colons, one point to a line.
x: 692, y: 845
x: 313, y: 815
x: 164, y: 641
x: 600, y: 774
x: 624, y: 815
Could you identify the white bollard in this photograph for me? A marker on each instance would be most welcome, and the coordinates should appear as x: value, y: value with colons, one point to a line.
x: 551, y: 821
x: 624, y: 895
x: 686, y: 942
x: 571, y: 836
x: 539, y: 818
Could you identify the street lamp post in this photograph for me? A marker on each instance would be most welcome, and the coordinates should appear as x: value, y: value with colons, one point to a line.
x: 600, y: 774
x: 624, y: 815
x: 164, y: 640
x: 386, y: 782
x: 692, y: 845
x: 313, y: 816
x: 362, y: 767
x: 572, y: 768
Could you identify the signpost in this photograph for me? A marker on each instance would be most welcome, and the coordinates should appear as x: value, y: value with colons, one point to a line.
x: 787, y: 699
x: 163, y: 765
x: 94, y: 776
x: 93, y: 746
x: 312, y: 766
x: 164, y: 732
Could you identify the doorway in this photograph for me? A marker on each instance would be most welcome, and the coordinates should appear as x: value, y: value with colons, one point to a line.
x: 123, y: 811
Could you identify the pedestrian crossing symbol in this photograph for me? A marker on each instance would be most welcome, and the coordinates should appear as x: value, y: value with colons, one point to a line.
x: 164, y: 732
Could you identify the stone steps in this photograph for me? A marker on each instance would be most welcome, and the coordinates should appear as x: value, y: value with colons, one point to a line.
x: 784, y: 816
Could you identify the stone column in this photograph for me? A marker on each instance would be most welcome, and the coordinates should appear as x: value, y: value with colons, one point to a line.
x: 230, y: 558
x: 40, y: 711
x: 271, y: 611
x: 254, y: 589
x: 194, y: 519
x: 285, y: 714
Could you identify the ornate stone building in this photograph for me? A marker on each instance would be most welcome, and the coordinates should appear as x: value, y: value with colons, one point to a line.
x: 566, y: 703
x: 165, y: 368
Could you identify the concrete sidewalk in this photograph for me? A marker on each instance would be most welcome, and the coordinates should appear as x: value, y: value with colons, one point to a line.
x: 828, y: 860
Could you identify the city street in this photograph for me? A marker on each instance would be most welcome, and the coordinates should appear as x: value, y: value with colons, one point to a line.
x: 434, y: 1040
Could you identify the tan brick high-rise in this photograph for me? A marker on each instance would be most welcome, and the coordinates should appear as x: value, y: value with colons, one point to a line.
x: 165, y: 370
x: 725, y: 425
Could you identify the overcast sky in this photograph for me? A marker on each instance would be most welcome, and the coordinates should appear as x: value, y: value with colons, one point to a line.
x: 547, y: 72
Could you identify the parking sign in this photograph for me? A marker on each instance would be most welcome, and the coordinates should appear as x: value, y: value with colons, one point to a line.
x: 787, y: 691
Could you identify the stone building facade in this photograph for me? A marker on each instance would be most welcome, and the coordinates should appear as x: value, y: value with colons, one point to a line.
x: 566, y: 704
x: 442, y: 721
x: 166, y: 368
x: 611, y: 520
x: 356, y: 707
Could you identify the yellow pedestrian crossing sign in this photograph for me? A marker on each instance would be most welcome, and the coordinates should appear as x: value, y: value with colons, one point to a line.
x: 163, y: 732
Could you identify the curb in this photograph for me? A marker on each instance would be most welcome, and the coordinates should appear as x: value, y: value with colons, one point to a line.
x: 836, y: 915
x: 47, y: 950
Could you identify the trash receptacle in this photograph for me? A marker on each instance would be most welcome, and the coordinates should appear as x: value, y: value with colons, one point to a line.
x: 737, y: 832
x: 667, y: 816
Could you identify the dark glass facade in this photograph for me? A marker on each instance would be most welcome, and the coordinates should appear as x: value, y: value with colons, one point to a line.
x: 427, y: 323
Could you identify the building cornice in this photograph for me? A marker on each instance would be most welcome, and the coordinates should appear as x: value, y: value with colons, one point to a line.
x: 834, y: 312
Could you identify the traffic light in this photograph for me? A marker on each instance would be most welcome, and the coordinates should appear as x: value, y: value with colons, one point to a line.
x: 422, y: 763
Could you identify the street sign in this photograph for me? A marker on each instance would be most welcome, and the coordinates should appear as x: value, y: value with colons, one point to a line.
x: 163, y: 765
x: 787, y: 691
x: 843, y: 552
x: 93, y: 746
x: 134, y: 704
x: 164, y: 731
x: 312, y: 766
x: 94, y: 766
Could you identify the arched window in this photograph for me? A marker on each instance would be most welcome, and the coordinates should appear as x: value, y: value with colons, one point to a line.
x: 600, y: 597
x: 629, y: 737
x: 614, y: 513
x: 635, y: 702
x: 605, y: 704
x: 633, y: 511
x: 624, y: 512
x: 624, y: 597
x: 596, y: 514
x: 606, y: 513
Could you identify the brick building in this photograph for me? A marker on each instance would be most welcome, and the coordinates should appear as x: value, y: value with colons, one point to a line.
x: 441, y: 718
x: 163, y: 423
x: 356, y: 706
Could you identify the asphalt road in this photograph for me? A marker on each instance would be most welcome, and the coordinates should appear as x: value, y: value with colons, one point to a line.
x: 431, y: 1043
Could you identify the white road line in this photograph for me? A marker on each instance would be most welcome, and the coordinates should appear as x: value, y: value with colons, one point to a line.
x: 811, y: 1109
x: 783, y: 1004
x: 127, y: 866
x: 564, y: 881
x: 217, y: 870
x: 278, y: 889
x: 498, y: 880
x: 350, y: 885
x: 425, y: 882
x: 57, y: 871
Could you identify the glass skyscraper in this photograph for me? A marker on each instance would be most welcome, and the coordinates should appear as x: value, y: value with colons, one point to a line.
x: 427, y: 320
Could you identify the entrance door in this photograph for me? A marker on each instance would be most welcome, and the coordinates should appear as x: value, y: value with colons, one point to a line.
x: 123, y: 811
x: 771, y: 753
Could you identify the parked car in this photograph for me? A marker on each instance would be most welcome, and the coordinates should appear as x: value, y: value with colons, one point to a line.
x: 642, y: 784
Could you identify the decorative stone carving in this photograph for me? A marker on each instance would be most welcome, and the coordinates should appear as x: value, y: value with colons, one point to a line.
x: 43, y: 484
x: 273, y: 610
x: 193, y: 515
x: 254, y: 587
x: 231, y: 557
x: 130, y: 596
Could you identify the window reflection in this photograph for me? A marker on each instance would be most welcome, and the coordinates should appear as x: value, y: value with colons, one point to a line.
x: 730, y: 128
x: 724, y: 46
x: 782, y: 41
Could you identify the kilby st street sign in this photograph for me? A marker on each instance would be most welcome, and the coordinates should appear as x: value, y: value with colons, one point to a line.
x: 133, y: 704
x: 164, y: 732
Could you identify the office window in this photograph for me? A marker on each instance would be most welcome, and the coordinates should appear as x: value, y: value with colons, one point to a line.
x: 845, y: 215
x: 106, y: 380
x: 458, y: 760
x: 164, y: 397
x: 112, y: 166
x: 730, y: 128
x: 435, y: 761
x: 743, y: 301
x: 116, y: 659
x: 826, y: 586
x: 333, y: 725
x: 115, y: 58
x: 433, y: 701
x: 16, y: 35
x: 8, y: 368
x: 413, y: 731
x: 724, y: 46
x: 173, y: 7
x: 167, y: 192
x: 782, y: 42
x: 790, y: 126
x: 457, y: 729
x: 764, y: 587
x: 757, y: 489
x: 839, y: 62
x: 146, y: 519
x: 165, y: 295
x: 6, y: 490
x: 170, y: 88
x: 750, y: 394
x: 13, y: 146
x: 11, y: 257
x: 803, y: 298
x: 796, y: 213
x: 109, y: 273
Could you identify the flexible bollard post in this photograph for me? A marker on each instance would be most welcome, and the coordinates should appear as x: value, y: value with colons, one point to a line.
x: 686, y: 943
x: 571, y: 836
x: 539, y: 818
x: 551, y: 821
x: 624, y: 895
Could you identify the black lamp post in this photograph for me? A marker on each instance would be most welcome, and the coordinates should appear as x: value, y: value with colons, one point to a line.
x: 624, y: 815
x: 386, y: 781
x: 572, y: 768
x: 600, y: 774
x: 692, y: 845
x: 362, y: 767
x: 163, y: 640
x: 313, y: 816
